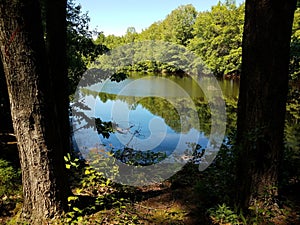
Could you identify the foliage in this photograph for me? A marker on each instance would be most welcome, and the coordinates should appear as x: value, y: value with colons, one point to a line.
x: 81, y: 49
x: 215, y: 35
x: 266, y: 209
x: 131, y: 35
x: 10, y: 188
x: 103, y: 128
x: 110, y: 41
x: 153, y: 32
x: 98, y: 186
x: 218, y: 37
x: 290, y: 171
x: 216, y: 186
x: 295, y: 48
x: 216, y: 183
x: 177, y: 27
x: 222, y: 214
x: 150, y: 56
x: 10, y: 181
x: 218, y: 180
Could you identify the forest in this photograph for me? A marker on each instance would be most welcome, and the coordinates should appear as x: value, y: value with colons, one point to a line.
x: 228, y: 75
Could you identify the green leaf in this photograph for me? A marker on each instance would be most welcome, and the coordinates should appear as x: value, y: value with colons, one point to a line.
x: 72, y: 198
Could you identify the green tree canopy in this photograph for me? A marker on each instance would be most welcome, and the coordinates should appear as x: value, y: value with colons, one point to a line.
x: 178, y: 25
x: 81, y: 48
x: 218, y: 37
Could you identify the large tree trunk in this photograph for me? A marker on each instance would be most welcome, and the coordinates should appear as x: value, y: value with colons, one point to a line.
x: 24, y: 60
x: 263, y: 92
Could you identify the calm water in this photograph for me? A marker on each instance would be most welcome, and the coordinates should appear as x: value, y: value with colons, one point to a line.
x: 151, y: 113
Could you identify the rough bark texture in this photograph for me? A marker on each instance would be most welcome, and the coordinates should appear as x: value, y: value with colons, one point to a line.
x: 263, y: 92
x: 24, y: 60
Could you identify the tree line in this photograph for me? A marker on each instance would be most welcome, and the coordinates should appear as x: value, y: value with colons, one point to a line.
x: 214, y: 35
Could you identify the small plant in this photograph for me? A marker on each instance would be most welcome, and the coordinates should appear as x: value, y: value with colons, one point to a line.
x: 266, y: 209
x: 222, y: 214
x: 10, y: 179
x: 10, y: 189
x: 94, y: 181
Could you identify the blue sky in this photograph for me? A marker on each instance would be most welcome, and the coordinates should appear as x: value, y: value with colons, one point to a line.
x: 115, y: 16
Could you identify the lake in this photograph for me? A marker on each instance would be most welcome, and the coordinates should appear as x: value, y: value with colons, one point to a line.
x: 153, y: 117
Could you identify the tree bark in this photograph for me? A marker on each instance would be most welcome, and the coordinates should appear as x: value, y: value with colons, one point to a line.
x: 262, y: 99
x: 24, y: 60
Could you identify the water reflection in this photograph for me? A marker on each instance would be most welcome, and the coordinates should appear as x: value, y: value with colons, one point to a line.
x: 151, y: 85
x: 167, y: 116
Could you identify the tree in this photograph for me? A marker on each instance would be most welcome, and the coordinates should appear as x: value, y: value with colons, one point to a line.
x: 81, y: 49
x: 218, y: 37
x: 263, y: 92
x: 29, y: 71
x: 112, y: 41
x: 178, y: 25
x: 130, y: 35
x: 153, y: 32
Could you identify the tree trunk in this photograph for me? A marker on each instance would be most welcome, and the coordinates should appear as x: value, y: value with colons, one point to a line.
x: 262, y: 99
x: 24, y: 61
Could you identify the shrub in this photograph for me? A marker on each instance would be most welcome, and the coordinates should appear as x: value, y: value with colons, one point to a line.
x: 10, y: 179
